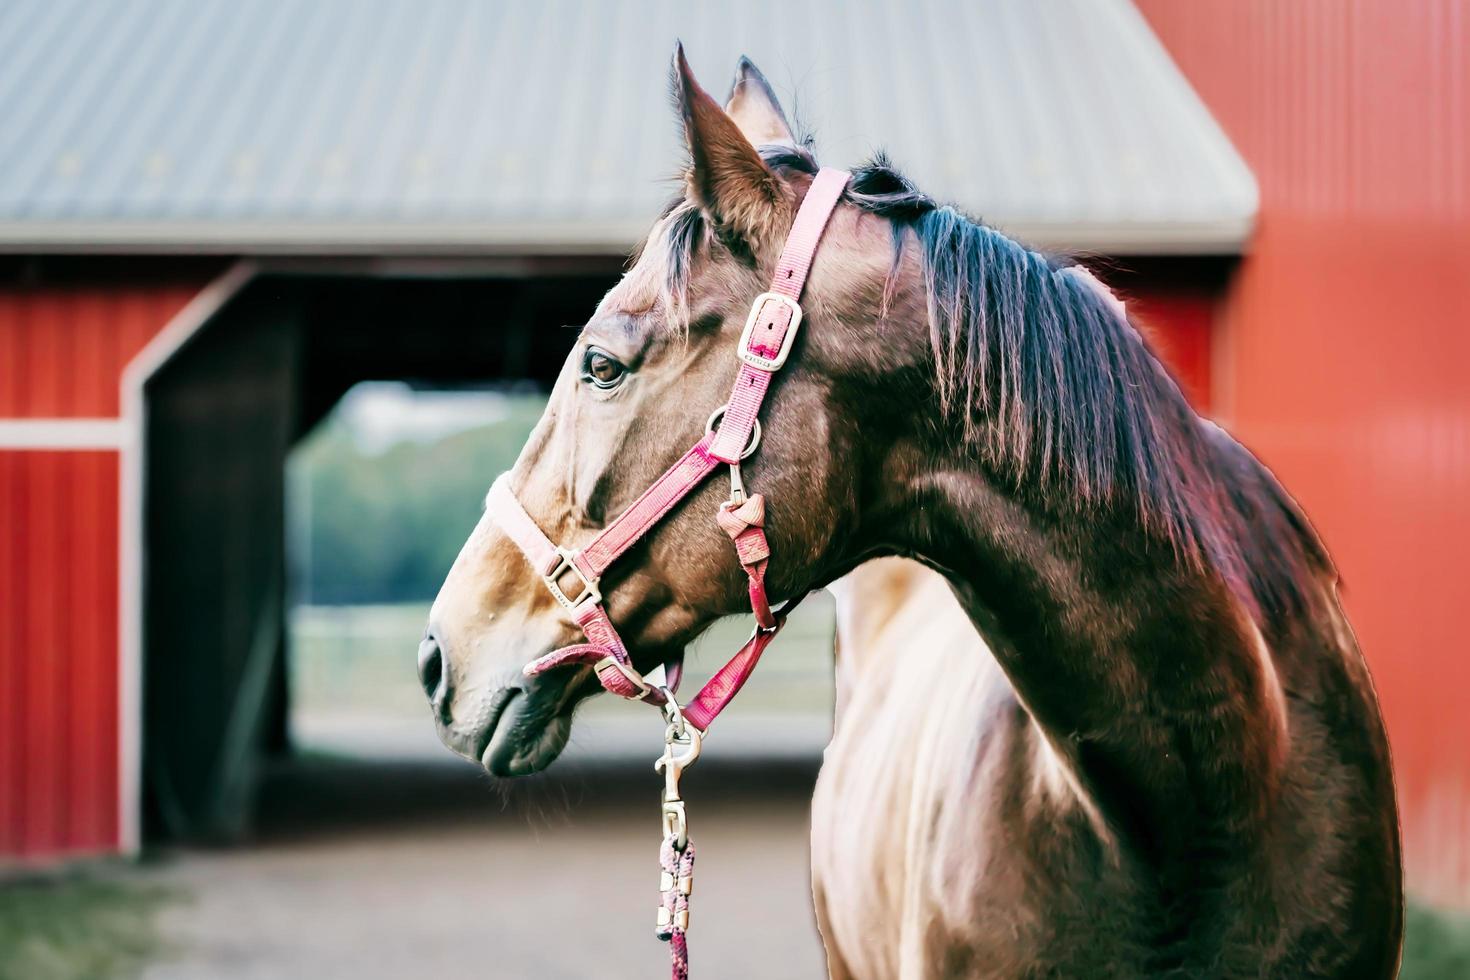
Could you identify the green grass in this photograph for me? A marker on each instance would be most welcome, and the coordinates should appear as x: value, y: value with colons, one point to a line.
x: 78, y: 926
x: 1436, y: 945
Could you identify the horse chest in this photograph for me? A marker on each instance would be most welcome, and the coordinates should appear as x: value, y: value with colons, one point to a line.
x: 943, y: 843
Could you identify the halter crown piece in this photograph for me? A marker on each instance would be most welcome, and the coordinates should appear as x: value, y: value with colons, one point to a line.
x: 573, y: 575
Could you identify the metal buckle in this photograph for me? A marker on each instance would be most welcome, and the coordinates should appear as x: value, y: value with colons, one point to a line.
x: 635, y: 678
x: 749, y: 356
x: 589, y: 592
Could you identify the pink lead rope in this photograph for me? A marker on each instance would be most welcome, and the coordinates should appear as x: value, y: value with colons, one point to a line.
x: 765, y: 343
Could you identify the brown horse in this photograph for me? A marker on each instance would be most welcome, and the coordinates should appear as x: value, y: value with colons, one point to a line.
x: 1223, y: 801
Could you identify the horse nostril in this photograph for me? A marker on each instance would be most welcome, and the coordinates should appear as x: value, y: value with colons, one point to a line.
x: 431, y: 673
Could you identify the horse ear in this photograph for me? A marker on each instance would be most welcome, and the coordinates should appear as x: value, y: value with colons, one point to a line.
x: 727, y: 177
x: 754, y: 107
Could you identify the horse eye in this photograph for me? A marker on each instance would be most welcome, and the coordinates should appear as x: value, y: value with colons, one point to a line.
x: 602, y: 369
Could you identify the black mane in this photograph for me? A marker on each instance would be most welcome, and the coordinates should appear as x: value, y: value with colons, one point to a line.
x: 1056, y: 389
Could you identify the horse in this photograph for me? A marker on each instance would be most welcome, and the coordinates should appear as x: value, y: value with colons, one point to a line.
x: 1204, y: 786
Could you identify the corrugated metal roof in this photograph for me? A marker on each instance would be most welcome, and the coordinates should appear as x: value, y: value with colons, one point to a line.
x: 449, y: 125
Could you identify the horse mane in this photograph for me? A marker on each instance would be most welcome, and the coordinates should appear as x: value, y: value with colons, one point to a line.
x: 1054, y: 387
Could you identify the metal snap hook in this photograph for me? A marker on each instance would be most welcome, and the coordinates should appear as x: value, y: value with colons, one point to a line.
x: 755, y: 432
x: 678, y: 736
x: 737, y: 486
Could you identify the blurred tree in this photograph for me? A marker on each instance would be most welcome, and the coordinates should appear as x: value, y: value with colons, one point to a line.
x: 371, y: 527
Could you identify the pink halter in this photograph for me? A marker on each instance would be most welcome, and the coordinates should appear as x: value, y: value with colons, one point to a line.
x: 764, y: 346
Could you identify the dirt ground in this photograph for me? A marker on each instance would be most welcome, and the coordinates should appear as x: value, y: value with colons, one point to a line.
x: 411, y: 869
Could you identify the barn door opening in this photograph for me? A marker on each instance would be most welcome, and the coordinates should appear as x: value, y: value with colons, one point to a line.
x: 380, y: 496
x: 221, y: 417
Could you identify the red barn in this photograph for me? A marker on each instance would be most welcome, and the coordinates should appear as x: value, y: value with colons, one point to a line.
x: 212, y: 233
x: 1342, y: 343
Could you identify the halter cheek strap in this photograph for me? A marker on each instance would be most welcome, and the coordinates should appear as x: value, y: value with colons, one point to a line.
x: 573, y: 576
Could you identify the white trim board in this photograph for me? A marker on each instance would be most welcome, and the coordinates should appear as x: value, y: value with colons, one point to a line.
x: 62, y: 434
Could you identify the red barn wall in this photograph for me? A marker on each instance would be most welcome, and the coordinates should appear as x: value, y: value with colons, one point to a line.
x: 62, y: 351
x: 1346, y: 339
x: 58, y: 652
x: 63, y: 347
x: 1177, y: 316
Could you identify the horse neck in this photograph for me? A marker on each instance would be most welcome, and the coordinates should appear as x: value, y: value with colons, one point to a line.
x: 1149, y: 672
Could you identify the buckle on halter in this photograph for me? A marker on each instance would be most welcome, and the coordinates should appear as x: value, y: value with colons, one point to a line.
x: 761, y: 361
x: 636, y: 679
x: 568, y: 563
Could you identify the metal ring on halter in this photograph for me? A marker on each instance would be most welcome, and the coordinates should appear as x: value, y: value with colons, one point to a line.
x: 755, y: 432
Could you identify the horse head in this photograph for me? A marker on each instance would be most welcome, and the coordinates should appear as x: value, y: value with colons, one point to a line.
x: 652, y: 363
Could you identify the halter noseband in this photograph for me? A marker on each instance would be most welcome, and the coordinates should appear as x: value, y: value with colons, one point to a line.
x: 765, y: 343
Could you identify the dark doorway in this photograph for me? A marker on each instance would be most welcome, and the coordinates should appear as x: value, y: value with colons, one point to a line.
x: 221, y: 418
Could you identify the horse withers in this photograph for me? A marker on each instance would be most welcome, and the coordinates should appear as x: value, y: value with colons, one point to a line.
x: 1161, y: 610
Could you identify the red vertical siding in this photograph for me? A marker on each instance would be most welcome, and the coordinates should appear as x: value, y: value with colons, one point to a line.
x: 63, y: 348
x: 62, y: 352
x: 58, y: 652
x: 1347, y: 342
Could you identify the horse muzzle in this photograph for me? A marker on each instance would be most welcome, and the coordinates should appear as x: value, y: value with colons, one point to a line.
x: 514, y: 726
